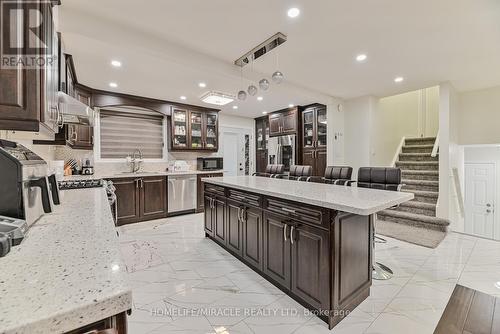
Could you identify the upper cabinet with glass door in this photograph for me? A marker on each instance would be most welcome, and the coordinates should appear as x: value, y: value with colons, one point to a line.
x: 314, y: 127
x: 194, y: 130
x: 179, y: 129
x: 211, y: 131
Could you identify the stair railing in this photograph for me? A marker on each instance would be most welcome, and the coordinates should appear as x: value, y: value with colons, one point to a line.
x: 398, y: 151
x: 455, y: 179
x: 435, y: 149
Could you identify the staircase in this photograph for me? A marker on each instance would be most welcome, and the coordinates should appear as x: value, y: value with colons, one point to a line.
x: 420, y: 174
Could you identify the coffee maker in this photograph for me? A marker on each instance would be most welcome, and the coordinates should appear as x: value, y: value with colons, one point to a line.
x: 28, y: 191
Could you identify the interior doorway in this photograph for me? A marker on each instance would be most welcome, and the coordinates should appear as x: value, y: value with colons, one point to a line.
x: 480, y: 189
x: 236, y: 151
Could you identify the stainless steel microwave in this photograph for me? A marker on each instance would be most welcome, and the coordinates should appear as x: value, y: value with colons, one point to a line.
x: 210, y: 163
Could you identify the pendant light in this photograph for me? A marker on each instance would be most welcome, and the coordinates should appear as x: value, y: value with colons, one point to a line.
x: 242, y: 95
x: 252, y: 89
x: 264, y: 84
x: 277, y: 76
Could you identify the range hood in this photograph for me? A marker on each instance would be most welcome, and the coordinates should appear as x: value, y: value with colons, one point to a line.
x: 73, y: 111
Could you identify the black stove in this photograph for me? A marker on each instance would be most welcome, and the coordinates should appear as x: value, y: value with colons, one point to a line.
x: 81, y: 184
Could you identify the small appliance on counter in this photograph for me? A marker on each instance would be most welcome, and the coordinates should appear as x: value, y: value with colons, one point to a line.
x: 210, y: 163
x: 87, y: 169
x: 80, y: 184
x: 28, y: 192
x: 5, y: 244
x: 16, y: 229
x: 179, y: 166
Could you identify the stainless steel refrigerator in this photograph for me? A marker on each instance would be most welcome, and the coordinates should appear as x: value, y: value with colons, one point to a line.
x: 282, y: 150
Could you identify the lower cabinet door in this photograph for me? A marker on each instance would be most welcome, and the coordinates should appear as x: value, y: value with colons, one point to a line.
x: 154, y: 197
x: 209, y: 216
x: 276, y: 250
x: 128, y: 200
x: 310, y: 267
x: 219, y: 221
x: 234, y: 228
x: 320, y: 163
x: 253, y: 237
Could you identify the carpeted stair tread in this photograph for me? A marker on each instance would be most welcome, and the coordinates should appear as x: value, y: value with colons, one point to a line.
x: 420, y: 141
x: 418, y: 165
x: 420, y: 172
x: 419, y: 205
x: 416, y: 235
x: 414, y: 217
x: 422, y: 193
x: 418, y: 149
x: 421, y: 182
x: 405, y: 163
x: 417, y: 157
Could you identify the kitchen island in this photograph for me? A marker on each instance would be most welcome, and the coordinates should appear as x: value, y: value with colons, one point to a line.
x: 313, y: 241
x: 67, y: 275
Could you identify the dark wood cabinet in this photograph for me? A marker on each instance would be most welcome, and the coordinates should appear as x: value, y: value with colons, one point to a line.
x: 283, y: 122
x: 141, y: 199
x: 320, y: 257
x: 128, y: 200
x: 200, y: 205
x: 153, y: 197
x: 277, y: 250
x: 252, y: 234
x: 28, y: 97
x: 115, y: 324
x: 314, y: 138
x: 234, y: 227
x: 261, y: 143
x: 310, y: 267
x: 81, y: 136
x: 192, y: 130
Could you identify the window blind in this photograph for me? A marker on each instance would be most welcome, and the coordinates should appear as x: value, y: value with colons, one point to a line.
x: 123, y: 132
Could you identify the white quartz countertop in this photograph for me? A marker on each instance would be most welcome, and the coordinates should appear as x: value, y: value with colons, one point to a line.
x: 116, y: 175
x: 355, y: 200
x: 67, y: 272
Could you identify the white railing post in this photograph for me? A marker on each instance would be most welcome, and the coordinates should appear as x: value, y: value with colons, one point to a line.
x: 398, y: 151
x: 436, y: 146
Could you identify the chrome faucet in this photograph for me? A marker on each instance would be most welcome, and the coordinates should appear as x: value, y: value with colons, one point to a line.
x: 135, y: 163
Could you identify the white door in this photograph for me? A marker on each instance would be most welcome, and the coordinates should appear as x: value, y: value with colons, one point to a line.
x: 480, y: 199
x: 234, y: 153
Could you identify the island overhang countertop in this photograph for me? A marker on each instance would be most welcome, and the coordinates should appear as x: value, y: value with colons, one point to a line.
x: 68, y: 271
x: 361, y: 201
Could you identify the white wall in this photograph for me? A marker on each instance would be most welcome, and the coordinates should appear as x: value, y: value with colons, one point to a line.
x: 358, y: 131
x: 488, y: 154
x: 479, y: 117
x: 412, y: 114
x: 335, y: 135
x: 26, y: 139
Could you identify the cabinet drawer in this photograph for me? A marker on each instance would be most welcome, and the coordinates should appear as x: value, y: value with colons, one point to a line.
x: 213, y: 189
x: 244, y: 198
x: 303, y: 213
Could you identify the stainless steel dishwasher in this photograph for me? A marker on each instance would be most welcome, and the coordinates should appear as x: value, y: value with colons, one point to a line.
x: 181, y: 193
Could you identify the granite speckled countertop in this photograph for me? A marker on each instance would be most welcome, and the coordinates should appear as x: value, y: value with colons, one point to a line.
x: 116, y: 175
x: 67, y: 272
x: 355, y: 200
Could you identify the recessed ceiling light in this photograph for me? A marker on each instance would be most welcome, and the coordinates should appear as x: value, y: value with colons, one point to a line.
x: 202, y: 85
x: 235, y: 107
x: 291, y: 105
x: 293, y: 12
x: 398, y: 79
x: 113, y: 84
x: 361, y: 57
x: 183, y: 97
x: 260, y: 98
x: 264, y: 112
x: 116, y: 63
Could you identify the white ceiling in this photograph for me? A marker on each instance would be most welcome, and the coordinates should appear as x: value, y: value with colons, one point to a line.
x: 168, y: 46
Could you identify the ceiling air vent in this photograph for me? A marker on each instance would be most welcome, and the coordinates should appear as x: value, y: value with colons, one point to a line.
x: 261, y: 49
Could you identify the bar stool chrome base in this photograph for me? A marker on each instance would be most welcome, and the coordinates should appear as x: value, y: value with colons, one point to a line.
x: 381, y: 272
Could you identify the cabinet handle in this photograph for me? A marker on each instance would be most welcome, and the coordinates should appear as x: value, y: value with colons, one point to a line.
x: 288, y: 210
x: 284, y: 231
x: 239, y: 215
x: 291, y: 235
x: 142, y: 183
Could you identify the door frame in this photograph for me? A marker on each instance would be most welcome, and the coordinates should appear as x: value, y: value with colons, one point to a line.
x: 496, y: 221
x: 239, y: 131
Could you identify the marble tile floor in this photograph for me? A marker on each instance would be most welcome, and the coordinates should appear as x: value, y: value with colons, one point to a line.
x: 185, y: 283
